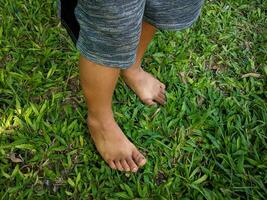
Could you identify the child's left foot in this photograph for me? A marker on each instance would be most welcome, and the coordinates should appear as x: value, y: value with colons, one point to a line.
x: 149, y: 89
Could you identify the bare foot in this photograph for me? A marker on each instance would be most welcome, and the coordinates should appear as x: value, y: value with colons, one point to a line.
x: 113, y: 145
x: 149, y: 89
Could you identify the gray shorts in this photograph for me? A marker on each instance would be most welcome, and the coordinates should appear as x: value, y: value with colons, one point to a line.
x: 109, y: 30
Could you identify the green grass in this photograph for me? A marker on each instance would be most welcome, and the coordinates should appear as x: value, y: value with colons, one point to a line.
x: 208, y: 142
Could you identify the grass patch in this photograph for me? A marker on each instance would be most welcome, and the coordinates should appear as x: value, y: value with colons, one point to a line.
x: 208, y: 142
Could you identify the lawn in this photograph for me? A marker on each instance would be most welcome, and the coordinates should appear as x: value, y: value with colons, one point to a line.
x: 208, y: 142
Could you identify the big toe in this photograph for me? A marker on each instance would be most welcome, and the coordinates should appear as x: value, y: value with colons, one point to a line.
x: 139, y: 159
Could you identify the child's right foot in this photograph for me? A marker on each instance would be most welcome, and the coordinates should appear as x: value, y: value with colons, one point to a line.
x: 114, y: 146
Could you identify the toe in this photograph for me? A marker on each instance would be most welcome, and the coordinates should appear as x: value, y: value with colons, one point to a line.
x: 162, y: 86
x: 118, y: 165
x: 125, y: 165
x: 162, y: 90
x: 132, y: 165
x: 149, y: 102
x: 160, y: 99
x: 139, y: 158
x: 141, y: 161
x: 112, y: 164
x: 161, y: 95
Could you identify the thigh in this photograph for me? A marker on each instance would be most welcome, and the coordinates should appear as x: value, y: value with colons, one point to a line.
x: 172, y: 14
x: 109, y: 30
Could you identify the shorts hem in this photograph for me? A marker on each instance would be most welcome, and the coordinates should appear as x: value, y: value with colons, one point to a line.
x: 171, y: 27
x: 103, y: 62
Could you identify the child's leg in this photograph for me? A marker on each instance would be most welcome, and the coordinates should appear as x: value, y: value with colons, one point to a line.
x: 148, y: 88
x: 98, y: 83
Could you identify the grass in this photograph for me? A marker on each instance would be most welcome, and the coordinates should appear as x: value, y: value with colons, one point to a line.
x: 208, y: 142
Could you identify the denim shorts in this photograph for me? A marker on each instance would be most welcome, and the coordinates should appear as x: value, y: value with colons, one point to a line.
x: 107, y: 32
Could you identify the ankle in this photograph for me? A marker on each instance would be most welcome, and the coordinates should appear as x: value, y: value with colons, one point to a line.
x: 132, y: 71
x: 100, y: 112
x: 100, y: 128
x: 100, y: 119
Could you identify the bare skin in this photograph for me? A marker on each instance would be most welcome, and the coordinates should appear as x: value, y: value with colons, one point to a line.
x: 98, y: 83
x: 149, y: 89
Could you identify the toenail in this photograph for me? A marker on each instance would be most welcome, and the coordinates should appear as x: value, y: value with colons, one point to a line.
x: 141, y: 161
x: 140, y: 158
x: 135, y: 169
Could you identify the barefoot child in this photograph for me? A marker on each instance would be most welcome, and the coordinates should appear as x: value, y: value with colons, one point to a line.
x: 112, y: 36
